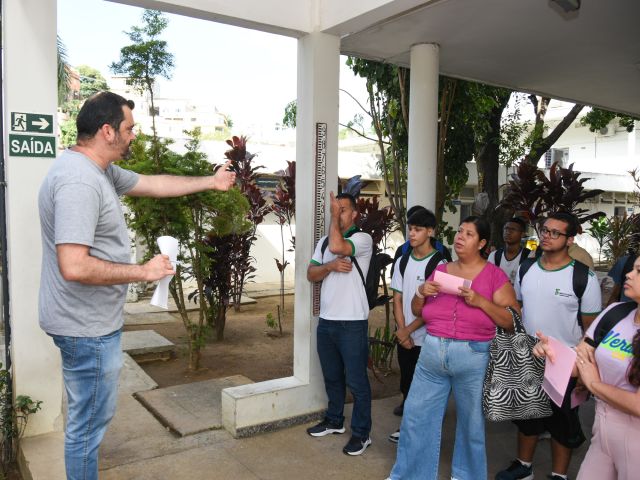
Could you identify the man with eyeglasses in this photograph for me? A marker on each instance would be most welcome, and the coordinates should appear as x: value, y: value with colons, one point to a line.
x: 551, y: 306
x: 513, y: 254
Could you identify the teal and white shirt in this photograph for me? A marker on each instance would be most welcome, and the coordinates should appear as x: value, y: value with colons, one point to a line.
x: 549, y: 304
x: 413, y: 276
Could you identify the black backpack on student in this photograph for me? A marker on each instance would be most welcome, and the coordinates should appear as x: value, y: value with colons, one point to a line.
x: 580, y: 280
x: 500, y: 253
x: 371, y: 284
x: 610, y: 320
x: 431, y: 265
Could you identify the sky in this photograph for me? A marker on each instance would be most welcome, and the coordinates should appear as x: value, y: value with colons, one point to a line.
x: 248, y: 74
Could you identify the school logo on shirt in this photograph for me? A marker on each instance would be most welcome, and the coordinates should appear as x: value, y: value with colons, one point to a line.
x: 618, y: 347
x: 558, y: 293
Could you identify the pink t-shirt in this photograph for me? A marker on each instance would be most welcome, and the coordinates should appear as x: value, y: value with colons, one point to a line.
x: 449, y: 316
x: 615, y: 352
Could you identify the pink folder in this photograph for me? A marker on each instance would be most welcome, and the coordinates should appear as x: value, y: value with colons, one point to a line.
x: 450, y: 283
x: 558, y: 373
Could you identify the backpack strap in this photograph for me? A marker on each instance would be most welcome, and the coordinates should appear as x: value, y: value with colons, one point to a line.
x: 580, y: 280
x: 435, y: 259
x: 610, y: 320
x: 524, y: 268
x: 524, y: 255
x: 404, y: 259
x: 498, y: 256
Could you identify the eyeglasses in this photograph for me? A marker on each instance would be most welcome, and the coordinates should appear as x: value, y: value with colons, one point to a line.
x: 544, y: 231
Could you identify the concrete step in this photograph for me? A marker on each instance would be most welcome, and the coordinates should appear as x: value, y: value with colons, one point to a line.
x: 147, y: 345
x: 42, y: 457
x: 191, y: 408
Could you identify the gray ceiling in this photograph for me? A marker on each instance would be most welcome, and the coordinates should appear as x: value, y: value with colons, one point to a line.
x: 591, y: 56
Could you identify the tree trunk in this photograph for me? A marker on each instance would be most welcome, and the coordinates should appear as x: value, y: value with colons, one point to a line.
x: 488, y: 162
x: 221, y: 319
x: 194, y: 352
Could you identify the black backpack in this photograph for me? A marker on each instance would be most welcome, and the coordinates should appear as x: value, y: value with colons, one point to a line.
x: 500, y: 253
x: 433, y: 262
x: 580, y: 280
x: 610, y: 320
x: 371, y: 284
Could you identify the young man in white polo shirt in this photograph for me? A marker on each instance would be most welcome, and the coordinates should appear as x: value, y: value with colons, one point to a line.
x: 343, y: 338
x: 410, y: 271
x: 513, y: 254
x: 550, y: 306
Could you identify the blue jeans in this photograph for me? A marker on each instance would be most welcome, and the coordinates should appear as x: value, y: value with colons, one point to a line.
x: 90, y: 368
x: 444, y: 365
x: 343, y: 348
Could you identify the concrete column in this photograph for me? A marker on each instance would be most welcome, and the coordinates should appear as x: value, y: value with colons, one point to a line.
x: 423, y: 126
x: 30, y: 86
x: 250, y: 408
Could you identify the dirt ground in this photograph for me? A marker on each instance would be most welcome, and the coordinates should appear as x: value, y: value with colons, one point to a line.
x: 248, y: 350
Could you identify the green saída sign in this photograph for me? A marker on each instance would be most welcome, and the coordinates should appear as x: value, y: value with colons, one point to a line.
x: 32, y: 145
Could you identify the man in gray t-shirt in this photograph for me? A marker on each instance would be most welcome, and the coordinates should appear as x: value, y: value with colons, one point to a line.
x: 86, y: 269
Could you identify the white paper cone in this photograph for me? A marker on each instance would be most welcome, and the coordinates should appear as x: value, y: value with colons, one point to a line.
x: 168, y: 246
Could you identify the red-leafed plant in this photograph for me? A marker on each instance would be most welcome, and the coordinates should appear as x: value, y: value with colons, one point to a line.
x: 531, y: 193
x: 242, y: 265
x: 284, y: 208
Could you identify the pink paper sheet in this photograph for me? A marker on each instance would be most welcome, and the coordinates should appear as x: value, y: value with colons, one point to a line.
x: 450, y: 283
x: 558, y: 372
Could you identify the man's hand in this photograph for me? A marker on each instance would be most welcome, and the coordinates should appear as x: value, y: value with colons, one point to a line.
x: 224, y: 179
x: 334, y: 206
x: 341, y: 265
x: 158, y: 267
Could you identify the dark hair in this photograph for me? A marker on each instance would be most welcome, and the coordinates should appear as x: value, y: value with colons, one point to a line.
x: 422, y: 218
x: 414, y: 209
x: 100, y: 109
x: 518, y: 221
x: 569, y: 219
x: 634, y: 368
x: 348, y: 196
x: 482, y: 226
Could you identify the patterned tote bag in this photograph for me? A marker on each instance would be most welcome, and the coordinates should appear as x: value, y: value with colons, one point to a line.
x: 512, y: 387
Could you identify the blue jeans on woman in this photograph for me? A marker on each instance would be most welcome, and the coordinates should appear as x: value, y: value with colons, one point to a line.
x: 343, y: 348
x: 445, y: 365
x: 90, y: 368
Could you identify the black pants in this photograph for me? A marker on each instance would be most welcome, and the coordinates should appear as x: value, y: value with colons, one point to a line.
x: 407, y: 360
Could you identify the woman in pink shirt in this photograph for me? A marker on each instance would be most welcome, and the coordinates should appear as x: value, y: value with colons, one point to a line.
x: 454, y: 359
x: 611, y: 372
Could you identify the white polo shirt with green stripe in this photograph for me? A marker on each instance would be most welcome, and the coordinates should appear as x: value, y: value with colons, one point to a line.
x: 549, y: 304
x: 342, y: 295
x: 409, y: 282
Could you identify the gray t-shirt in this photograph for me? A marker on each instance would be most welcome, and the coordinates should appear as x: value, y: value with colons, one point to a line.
x: 79, y: 204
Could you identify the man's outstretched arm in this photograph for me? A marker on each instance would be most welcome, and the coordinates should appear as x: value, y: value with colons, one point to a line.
x: 163, y: 186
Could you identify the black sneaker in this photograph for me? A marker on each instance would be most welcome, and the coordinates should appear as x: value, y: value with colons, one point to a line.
x: 394, y: 437
x: 356, y: 445
x: 556, y: 477
x: 325, y: 427
x: 399, y: 410
x: 516, y: 471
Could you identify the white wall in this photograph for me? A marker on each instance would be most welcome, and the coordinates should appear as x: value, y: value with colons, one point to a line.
x: 29, y: 86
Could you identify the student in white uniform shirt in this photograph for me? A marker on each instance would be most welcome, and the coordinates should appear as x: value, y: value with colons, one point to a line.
x: 513, y: 254
x: 550, y: 306
x: 410, y: 271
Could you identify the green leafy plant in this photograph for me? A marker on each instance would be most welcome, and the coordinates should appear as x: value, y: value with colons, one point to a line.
x: 271, y: 321
x: 624, y: 233
x: 14, y: 417
x: 381, y: 346
x: 599, y: 230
